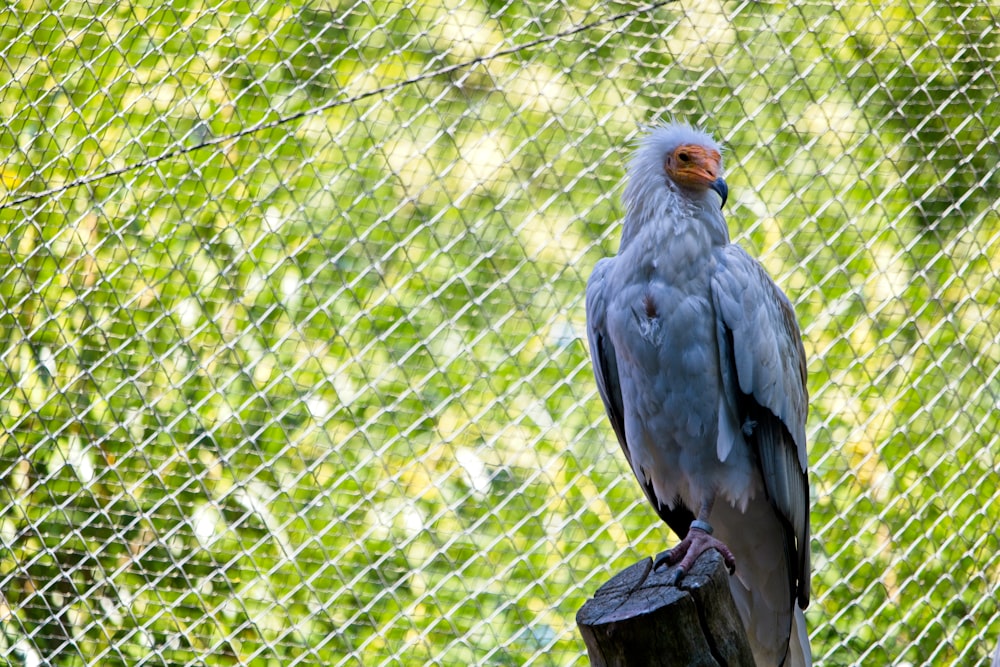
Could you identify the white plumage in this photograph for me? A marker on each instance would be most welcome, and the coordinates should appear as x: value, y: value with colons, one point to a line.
x: 700, y: 363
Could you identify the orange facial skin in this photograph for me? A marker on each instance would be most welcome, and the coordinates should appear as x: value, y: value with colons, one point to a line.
x: 693, y: 166
x: 696, y: 167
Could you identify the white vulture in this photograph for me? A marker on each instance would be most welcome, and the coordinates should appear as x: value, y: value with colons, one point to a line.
x: 699, y: 361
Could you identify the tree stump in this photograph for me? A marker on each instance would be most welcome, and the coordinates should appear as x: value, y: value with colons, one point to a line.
x: 638, y: 619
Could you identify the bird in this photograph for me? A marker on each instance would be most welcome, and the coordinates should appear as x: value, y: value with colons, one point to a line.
x: 700, y: 364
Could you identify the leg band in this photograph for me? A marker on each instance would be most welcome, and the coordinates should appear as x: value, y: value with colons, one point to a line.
x: 703, y: 526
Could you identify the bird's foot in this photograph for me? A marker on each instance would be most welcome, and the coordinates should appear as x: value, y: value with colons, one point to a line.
x: 698, y: 540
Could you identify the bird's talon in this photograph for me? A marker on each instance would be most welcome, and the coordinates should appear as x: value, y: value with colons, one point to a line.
x: 662, y: 559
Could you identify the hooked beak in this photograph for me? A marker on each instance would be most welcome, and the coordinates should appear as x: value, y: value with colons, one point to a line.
x: 719, y: 185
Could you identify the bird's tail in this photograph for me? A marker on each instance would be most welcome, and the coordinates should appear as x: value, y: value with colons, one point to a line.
x: 799, y: 654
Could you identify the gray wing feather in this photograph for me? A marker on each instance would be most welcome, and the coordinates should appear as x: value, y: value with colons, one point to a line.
x: 602, y: 354
x: 764, y: 374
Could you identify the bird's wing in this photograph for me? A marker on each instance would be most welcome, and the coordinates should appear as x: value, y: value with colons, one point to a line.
x: 605, y: 363
x: 763, y: 367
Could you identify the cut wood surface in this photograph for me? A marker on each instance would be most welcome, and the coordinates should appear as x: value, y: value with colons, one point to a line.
x: 639, y: 619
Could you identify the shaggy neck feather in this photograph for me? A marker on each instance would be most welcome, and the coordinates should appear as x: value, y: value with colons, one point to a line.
x: 662, y: 204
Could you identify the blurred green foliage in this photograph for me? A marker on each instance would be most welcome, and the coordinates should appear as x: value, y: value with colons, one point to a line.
x: 315, y: 394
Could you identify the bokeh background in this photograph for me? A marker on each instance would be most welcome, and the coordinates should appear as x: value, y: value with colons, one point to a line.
x: 291, y: 318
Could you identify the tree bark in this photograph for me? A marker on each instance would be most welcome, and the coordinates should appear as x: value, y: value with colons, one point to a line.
x: 638, y: 619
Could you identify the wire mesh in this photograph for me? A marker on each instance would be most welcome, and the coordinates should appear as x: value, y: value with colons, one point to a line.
x: 292, y: 307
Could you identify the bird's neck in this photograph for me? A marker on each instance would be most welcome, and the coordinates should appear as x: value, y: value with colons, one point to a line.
x: 663, y: 217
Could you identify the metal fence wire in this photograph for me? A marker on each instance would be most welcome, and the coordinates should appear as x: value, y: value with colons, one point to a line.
x: 291, y: 309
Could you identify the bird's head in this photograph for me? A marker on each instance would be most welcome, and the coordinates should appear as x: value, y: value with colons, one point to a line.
x: 676, y: 158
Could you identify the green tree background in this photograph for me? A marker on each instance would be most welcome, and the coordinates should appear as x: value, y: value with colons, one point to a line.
x: 292, y: 306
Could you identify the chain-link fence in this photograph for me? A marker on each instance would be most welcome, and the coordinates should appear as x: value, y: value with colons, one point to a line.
x: 292, y: 315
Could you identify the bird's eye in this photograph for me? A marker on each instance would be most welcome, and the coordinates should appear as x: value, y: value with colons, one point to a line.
x: 683, y: 157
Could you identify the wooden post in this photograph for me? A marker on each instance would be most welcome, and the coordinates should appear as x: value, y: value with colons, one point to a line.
x: 638, y: 619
